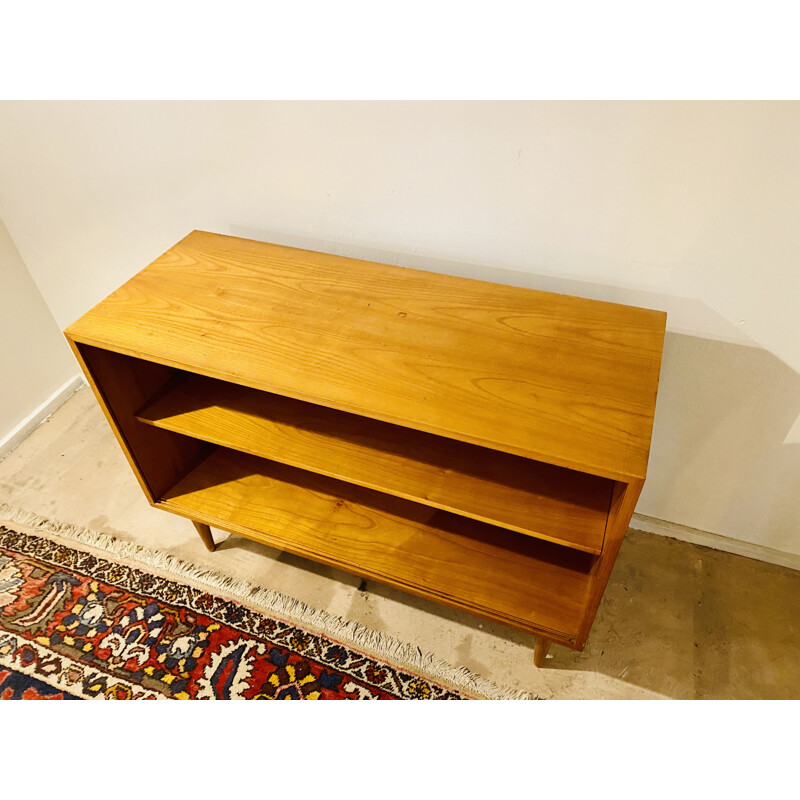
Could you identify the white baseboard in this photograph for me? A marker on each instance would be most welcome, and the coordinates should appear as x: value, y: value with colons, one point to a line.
x: 640, y: 522
x: 39, y: 415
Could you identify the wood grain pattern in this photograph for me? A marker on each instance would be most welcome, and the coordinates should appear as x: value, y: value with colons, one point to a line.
x: 530, y: 584
x: 537, y: 499
x: 121, y: 384
x: 559, y: 379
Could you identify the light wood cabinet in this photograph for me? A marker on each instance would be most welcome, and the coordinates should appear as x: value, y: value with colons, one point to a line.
x: 479, y: 445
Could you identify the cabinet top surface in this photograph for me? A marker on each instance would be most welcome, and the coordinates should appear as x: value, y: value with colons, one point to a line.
x: 560, y: 379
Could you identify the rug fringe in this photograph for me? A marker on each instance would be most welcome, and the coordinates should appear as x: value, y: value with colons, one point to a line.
x: 272, y: 601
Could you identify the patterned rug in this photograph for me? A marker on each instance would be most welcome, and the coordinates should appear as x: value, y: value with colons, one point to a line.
x: 101, y: 623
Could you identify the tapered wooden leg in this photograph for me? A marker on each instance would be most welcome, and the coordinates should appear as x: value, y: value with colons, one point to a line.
x: 540, y: 651
x: 205, y: 535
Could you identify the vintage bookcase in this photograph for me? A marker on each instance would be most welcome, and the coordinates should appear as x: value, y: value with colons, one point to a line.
x: 473, y: 443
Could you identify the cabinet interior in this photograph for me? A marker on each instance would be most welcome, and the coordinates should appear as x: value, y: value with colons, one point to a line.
x: 510, y: 538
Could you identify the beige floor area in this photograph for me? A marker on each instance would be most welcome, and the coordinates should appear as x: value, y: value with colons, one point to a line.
x: 677, y: 620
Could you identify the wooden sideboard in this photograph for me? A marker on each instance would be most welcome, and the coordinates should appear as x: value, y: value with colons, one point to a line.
x: 479, y: 445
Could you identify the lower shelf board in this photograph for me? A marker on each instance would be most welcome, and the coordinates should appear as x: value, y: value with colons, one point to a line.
x: 513, y: 578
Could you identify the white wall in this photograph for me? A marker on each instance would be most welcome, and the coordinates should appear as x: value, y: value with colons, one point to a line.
x: 35, y: 360
x: 687, y: 207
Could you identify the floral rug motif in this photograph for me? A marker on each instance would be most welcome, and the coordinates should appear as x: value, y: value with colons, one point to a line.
x: 74, y: 625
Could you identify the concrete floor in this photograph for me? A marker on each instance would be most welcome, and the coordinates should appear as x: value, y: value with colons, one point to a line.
x: 677, y: 620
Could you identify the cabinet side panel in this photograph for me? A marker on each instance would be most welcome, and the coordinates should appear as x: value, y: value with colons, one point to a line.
x: 623, y: 503
x: 122, y: 384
